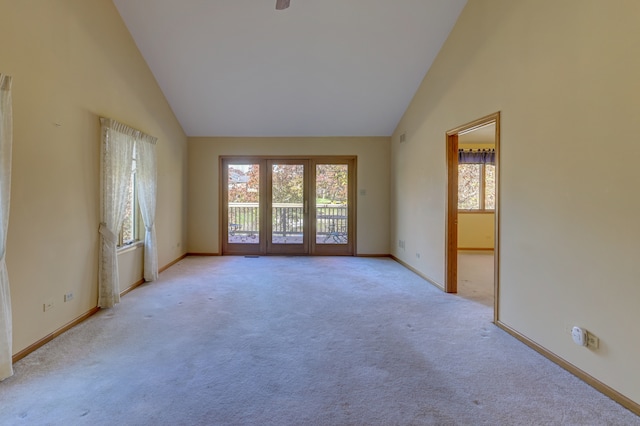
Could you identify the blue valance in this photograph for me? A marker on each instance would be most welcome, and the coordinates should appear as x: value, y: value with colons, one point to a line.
x: 476, y: 156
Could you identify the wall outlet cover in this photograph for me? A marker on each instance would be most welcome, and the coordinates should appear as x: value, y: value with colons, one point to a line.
x: 592, y: 341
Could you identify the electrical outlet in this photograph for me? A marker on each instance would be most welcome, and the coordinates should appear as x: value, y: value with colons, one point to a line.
x: 47, y: 305
x: 592, y: 341
x: 68, y: 297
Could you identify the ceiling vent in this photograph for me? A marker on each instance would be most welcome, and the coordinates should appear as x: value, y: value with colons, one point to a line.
x: 282, y: 4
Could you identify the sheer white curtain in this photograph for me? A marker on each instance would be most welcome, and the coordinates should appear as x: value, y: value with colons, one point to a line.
x: 118, y: 142
x: 6, y: 137
x: 146, y: 177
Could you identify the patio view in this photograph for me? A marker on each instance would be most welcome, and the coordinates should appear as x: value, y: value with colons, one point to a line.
x: 287, y: 204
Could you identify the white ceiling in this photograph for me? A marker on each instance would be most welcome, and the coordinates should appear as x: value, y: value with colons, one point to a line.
x: 318, y: 68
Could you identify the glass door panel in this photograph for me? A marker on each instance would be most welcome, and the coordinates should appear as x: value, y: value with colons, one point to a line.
x: 288, y: 207
x: 333, y: 206
x: 243, y: 199
x: 287, y: 203
x: 242, y: 217
x: 332, y: 212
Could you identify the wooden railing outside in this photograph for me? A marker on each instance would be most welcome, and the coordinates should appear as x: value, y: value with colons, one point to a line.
x: 287, y: 219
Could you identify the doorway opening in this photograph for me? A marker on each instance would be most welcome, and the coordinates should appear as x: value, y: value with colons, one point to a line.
x: 472, y: 219
x: 286, y: 205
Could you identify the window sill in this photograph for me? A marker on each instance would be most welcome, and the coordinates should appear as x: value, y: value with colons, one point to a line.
x: 476, y: 211
x: 130, y: 247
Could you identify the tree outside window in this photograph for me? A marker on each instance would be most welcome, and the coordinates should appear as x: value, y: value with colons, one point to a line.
x: 476, y: 187
x: 130, y: 232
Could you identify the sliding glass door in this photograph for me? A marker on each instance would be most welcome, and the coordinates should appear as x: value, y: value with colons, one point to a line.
x: 243, y: 219
x: 333, y: 228
x: 288, y: 205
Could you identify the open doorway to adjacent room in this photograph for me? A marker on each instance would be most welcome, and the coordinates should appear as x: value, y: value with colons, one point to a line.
x: 472, y: 255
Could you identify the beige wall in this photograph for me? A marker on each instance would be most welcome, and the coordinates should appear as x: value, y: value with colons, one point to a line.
x: 565, y: 78
x: 73, y: 61
x: 130, y: 266
x: 373, y: 179
x: 476, y: 230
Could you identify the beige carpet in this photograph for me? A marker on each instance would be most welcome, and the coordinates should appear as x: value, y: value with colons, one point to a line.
x: 295, y: 341
x: 475, y: 276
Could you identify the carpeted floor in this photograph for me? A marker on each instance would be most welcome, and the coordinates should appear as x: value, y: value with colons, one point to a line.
x: 295, y: 341
x: 475, y: 277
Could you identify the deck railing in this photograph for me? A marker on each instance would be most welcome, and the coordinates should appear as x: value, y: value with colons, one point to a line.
x: 243, y: 218
x: 331, y: 219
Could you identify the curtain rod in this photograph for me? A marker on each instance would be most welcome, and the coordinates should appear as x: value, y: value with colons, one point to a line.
x: 125, y: 128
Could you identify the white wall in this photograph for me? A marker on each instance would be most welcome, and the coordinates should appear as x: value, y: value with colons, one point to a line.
x: 564, y: 75
x: 373, y: 178
x: 73, y: 61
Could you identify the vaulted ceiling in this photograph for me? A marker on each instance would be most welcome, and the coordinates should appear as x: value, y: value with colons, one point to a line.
x: 318, y: 68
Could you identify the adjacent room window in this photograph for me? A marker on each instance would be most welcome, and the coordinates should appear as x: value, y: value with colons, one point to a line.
x: 130, y: 232
x: 476, y: 180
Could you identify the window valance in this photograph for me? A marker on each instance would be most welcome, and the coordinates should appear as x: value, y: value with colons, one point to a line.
x: 476, y: 156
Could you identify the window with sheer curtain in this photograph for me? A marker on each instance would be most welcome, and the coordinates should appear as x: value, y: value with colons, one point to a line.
x: 120, y: 143
x: 130, y: 233
x: 6, y: 140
